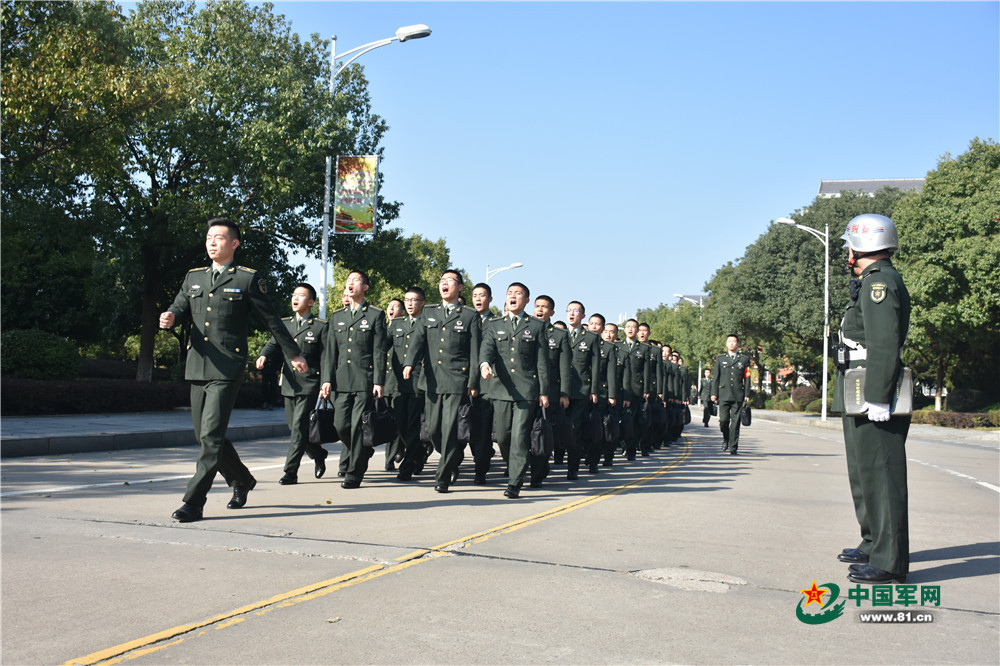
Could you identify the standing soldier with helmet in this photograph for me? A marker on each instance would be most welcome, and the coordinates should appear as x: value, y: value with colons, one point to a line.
x: 872, y: 334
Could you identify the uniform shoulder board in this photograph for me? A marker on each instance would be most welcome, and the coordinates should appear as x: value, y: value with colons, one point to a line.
x: 319, y: 320
x: 286, y: 318
x: 375, y: 309
x: 199, y: 269
x: 244, y: 268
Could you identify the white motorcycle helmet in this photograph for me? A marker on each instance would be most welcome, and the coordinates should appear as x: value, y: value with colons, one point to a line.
x: 871, y: 233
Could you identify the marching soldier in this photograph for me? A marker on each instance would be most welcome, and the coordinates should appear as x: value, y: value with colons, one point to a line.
x: 300, y: 390
x: 638, y: 377
x: 353, y: 372
x: 482, y: 437
x: 515, y: 351
x: 218, y: 301
x: 874, y: 330
x: 584, y: 365
x: 447, y: 342
x: 558, y: 341
x: 605, y: 386
x: 705, y: 395
x: 407, y: 397
x: 731, y: 389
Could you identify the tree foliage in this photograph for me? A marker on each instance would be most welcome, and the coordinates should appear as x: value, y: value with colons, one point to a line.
x: 950, y: 258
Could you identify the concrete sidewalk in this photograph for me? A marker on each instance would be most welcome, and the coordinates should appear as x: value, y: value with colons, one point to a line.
x: 80, y: 433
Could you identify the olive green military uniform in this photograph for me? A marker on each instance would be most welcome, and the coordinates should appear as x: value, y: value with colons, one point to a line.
x: 354, y: 360
x: 482, y: 436
x: 639, y: 376
x: 300, y: 390
x: 446, y: 340
x: 606, y: 387
x: 518, y: 352
x: 407, y: 399
x: 219, y: 310
x: 559, y: 369
x: 731, y: 386
x: 706, y: 399
x: 585, y: 364
x: 877, y: 320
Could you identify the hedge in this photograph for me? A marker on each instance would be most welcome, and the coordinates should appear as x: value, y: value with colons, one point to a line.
x: 29, y: 397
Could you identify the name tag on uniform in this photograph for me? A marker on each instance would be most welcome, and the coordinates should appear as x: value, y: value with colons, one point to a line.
x: 527, y: 337
x: 583, y: 346
x: 232, y: 290
x: 459, y: 326
x: 552, y: 342
x: 364, y: 325
x: 310, y: 335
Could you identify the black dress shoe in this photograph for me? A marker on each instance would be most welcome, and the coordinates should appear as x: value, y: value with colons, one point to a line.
x: 870, y: 575
x: 454, y: 475
x: 398, y: 458
x: 240, y: 495
x: 732, y: 452
x: 390, y: 466
x: 536, y: 484
x: 593, y: 468
x: 725, y: 447
x: 350, y: 484
x: 402, y: 476
x: 341, y: 473
x: 512, y: 492
x: 479, y: 480
x: 856, y: 567
x: 320, y: 464
x: 441, y: 488
x: 853, y: 555
x: 572, y: 476
x: 188, y: 513
x: 288, y: 480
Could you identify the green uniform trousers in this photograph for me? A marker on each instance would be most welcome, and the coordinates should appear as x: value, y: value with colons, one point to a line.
x: 729, y: 422
x: 876, y: 467
x: 211, y: 406
x: 348, y: 408
x: 297, y: 410
x: 441, y: 416
x: 407, y: 407
x: 512, y: 421
x: 482, y: 438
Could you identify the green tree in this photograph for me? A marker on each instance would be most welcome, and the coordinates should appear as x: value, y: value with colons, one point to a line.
x: 190, y: 113
x: 950, y: 258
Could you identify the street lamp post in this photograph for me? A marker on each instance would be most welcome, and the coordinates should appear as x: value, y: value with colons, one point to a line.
x: 701, y: 304
x: 491, y: 273
x: 403, y: 34
x: 824, y: 238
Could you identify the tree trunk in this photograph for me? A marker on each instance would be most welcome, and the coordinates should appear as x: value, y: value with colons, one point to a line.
x: 939, y: 386
x: 150, y: 313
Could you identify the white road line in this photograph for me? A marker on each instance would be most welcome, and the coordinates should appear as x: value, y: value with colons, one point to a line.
x: 954, y: 473
x: 66, y: 489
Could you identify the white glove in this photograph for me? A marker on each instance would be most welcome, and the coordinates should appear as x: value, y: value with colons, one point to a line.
x: 877, y: 411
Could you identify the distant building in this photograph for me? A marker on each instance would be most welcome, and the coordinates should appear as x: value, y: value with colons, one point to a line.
x: 832, y: 188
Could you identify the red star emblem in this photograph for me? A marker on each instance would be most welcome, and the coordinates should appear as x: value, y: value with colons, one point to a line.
x: 814, y: 594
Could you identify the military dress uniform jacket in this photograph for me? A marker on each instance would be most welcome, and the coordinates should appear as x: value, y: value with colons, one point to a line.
x: 355, y: 352
x: 730, y: 378
x: 637, y: 377
x: 606, y: 380
x: 220, y: 318
x: 448, y: 345
x: 519, y: 358
x: 400, y: 332
x: 706, y: 390
x: 309, y: 334
x: 882, y: 308
x: 585, y: 364
x: 559, y: 362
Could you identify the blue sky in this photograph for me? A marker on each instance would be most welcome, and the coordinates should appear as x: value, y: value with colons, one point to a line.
x: 626, y: 151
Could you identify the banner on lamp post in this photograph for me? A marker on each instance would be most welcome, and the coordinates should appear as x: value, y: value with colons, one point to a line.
x: 355, y: 195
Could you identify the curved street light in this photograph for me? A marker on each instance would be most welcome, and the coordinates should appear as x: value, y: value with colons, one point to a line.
x: 404, y: 34
x: 489, y: 273
x: 824, y: 238
x: 700, y: 302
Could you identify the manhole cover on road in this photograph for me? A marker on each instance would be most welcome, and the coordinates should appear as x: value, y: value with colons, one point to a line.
x: 690, y: 579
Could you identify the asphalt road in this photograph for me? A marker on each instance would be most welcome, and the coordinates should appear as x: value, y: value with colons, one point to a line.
x: 688, y: 556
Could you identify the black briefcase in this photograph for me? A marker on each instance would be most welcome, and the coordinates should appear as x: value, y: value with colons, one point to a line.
x: 469, y: 421
x: 592, y: 430
x: 745, y: 415
x: 321, y: 427
x: 562, y: 429
x: 378, y: 425
x: 542, y: 439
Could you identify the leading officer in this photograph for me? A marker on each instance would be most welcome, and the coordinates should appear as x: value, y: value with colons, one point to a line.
x: 731, y: 389
x: 218, y: 300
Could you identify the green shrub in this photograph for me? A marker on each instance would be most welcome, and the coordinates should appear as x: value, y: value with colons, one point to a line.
x: 958, y: 419
x: 816, y: 406
x: 34, y: 354
x: 787, y: 406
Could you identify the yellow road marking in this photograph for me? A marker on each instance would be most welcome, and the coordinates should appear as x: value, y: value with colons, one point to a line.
x: 147, y: 645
